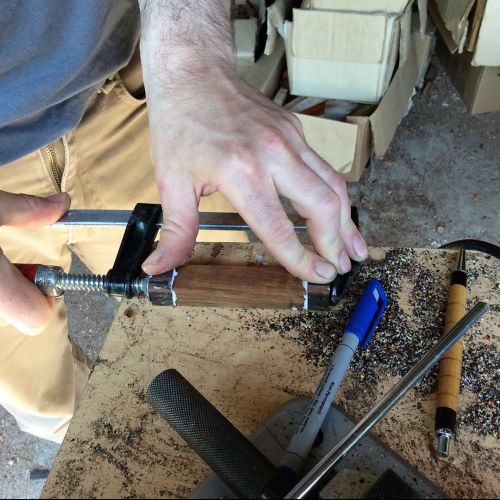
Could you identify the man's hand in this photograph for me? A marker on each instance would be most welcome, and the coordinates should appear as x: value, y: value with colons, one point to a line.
x: 21, y: 303
x: 210, y: 131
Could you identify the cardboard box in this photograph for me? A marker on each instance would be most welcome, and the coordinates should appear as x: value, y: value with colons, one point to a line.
x: 347, y: 146
x: 245, y: 36
x: 265, y: 74
x: 478, y: 86
x: 277, y: 13
x: 427, y: 41
x: 347, y: 53
x: 487, y: 51
x: 455, y: 16
x: 471, y: 25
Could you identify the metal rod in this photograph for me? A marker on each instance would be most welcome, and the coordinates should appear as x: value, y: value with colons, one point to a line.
x: 461, y: 261
x: 219, y: 221
x: 312, y: 480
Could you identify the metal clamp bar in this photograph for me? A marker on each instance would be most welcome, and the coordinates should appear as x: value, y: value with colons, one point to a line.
x: 218, y: 221
x: 313, y: 479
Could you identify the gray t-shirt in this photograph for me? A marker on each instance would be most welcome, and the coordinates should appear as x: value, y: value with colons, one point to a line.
x: 54, y: 54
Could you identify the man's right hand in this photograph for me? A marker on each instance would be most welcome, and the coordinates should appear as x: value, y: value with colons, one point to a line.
x: 210, y: 131
x: 21, y: 303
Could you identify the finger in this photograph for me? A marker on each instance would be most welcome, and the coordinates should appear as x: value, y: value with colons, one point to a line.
x: 180, y: 226
x: 21, y: 303
x: 24, y: 210
x: 353, y: 241
x: 319, y: 205
x: 259, y: 205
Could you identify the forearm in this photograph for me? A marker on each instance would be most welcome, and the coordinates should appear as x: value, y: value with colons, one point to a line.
x: 182, y: 39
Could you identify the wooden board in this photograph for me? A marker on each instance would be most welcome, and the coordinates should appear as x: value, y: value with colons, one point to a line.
x: 250, y: 362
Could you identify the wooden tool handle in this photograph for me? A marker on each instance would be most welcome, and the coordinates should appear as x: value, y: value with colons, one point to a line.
x: 450, y: 367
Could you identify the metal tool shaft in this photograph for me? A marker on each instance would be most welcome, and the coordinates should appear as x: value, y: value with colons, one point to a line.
x: 318, y: 474
x: 212, y: 221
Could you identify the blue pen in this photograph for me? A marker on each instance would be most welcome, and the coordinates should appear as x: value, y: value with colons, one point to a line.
x: 359, y: 330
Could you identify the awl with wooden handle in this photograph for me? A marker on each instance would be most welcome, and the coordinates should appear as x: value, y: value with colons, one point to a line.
x: 450, y: 367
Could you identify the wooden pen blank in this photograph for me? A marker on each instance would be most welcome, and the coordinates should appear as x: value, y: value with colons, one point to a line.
x: 450, y: 366
x: 238, y: 286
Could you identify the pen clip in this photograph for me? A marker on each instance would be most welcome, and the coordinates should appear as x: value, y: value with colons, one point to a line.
x: 381, y: 305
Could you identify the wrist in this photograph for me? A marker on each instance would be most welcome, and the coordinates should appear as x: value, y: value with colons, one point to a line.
x: 184, y: 68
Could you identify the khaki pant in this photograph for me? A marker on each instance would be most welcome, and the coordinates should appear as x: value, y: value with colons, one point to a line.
x: 103, y: 164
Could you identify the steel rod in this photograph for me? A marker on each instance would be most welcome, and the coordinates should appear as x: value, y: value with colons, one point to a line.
x: 218, y: 221
x: 313, y: 479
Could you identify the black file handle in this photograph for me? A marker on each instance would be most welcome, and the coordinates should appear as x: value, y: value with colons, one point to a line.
x: 228, y: 452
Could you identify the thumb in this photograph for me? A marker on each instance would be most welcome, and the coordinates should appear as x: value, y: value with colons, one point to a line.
x: 180, y: 227
x: 24, y: 210
x: 21, y: 303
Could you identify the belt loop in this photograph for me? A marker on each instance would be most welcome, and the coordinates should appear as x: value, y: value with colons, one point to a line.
x: 108, y: 85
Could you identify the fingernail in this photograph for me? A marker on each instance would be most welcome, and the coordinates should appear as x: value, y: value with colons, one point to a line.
x: 345, y: 262
x: 325, y: 270
x: 152, y: 260
x: 360, y: 247
x: 57, y: 198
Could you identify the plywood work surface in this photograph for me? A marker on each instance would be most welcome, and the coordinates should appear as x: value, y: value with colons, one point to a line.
x: 250, y: 362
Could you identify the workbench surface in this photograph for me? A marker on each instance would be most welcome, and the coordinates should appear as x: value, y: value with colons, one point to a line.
x: 249, y: 363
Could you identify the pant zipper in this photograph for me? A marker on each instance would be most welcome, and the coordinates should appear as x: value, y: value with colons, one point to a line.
x: 56, y: 173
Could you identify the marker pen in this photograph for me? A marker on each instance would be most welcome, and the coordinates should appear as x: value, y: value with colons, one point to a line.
x: 359, y: 330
